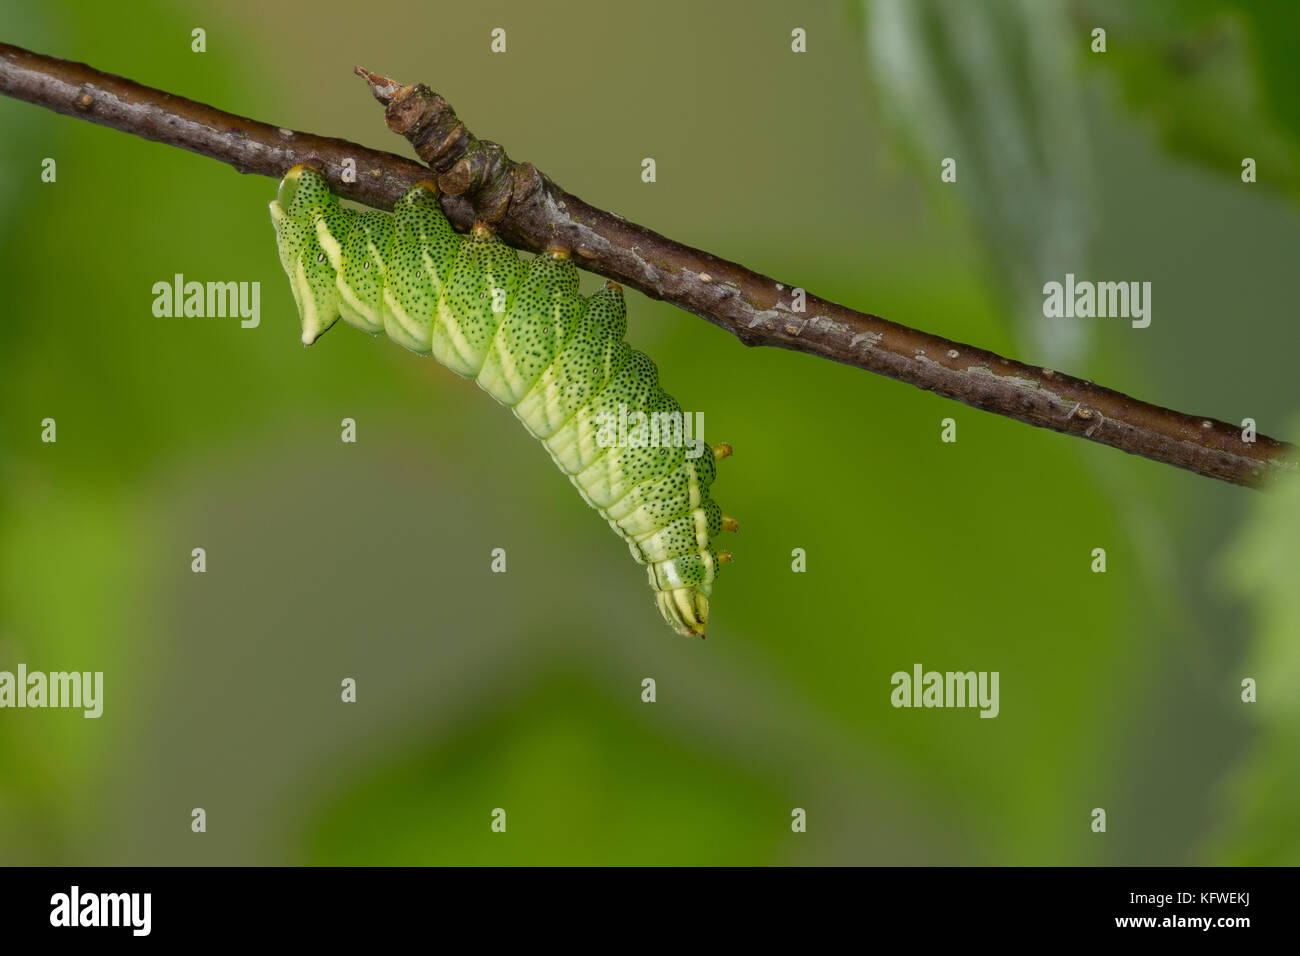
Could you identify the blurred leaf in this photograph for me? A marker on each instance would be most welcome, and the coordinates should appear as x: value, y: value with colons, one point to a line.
x: 992, y: 85
x: 1263, y: 566
x: 1215, y: 78
x: 570, y: 767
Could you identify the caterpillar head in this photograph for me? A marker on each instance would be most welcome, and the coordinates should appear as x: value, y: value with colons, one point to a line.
x: 685, y: 609
x: 683, y: 584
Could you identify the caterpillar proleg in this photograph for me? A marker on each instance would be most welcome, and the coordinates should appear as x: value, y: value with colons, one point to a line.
x: 522, y: 332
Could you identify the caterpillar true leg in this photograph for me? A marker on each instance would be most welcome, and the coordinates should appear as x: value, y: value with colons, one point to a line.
x: 522, y: 332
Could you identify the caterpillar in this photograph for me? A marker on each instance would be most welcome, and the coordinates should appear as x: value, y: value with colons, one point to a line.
x: 523, y: 333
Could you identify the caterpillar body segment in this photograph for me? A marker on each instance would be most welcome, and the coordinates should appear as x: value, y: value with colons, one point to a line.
x: 523, y: 333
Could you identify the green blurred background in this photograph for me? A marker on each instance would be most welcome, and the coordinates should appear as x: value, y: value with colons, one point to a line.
x: 523, y: 690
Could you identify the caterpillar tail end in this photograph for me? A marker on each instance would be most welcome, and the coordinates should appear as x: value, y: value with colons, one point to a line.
x: 685, y: 609
x: 304, y: 195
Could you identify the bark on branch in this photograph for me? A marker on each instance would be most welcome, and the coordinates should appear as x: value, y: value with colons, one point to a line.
x: 480, y: 182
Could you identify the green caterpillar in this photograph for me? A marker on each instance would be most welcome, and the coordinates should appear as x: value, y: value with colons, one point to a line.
x: 522, y: 332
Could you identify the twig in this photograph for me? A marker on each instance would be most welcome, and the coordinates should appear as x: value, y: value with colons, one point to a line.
x: 530, y: 211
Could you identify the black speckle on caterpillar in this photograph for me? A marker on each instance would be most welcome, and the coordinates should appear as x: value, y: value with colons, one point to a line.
x: 525, y: 335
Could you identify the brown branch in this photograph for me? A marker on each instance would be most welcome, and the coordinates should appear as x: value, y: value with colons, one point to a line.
x: 480, y: 182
